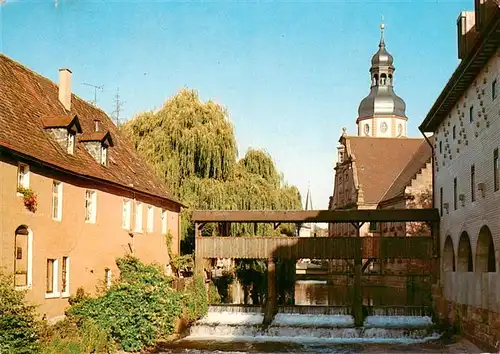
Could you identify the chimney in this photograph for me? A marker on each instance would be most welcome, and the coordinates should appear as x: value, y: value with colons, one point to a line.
x: 97, y: 125
x: 466, y: 31
x: 65, y: 88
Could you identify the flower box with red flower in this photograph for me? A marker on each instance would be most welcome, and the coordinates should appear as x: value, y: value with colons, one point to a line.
x: 30, y: 199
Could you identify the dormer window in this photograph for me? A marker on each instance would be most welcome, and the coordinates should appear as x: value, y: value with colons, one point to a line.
x: 97, y: 144
x: 63, y: 129
x: 71, y: 143
x: 104, y: 155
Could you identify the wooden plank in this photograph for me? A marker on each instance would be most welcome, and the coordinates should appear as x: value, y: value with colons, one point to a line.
x: 333, y: 216
x: 255, y: 247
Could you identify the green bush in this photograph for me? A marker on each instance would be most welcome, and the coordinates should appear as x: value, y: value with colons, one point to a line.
x: 141, y: 307
x: 68, y: 338
x: 195, y: 300
x: 213, y: 294
x: 18, y: 324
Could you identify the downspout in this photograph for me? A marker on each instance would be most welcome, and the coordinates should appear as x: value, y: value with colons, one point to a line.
x: 437, y: 242
x: 432, y: 163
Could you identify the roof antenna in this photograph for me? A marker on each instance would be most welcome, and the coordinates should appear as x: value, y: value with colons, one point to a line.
x: 94, y: 103
x: 118, y: 108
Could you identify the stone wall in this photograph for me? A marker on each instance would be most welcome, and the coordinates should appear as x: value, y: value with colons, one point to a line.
x: 481, y: 326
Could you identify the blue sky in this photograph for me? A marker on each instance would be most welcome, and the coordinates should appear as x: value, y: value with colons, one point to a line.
x: 291, y: 74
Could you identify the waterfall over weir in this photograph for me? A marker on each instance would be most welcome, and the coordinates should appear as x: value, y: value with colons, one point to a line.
x: 310, y: 324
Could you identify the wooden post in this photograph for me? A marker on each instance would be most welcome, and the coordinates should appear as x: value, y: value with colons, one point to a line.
x: 435, y: 266
x: 357, y: 304
x: 198, y: 260
x: 270, y: 308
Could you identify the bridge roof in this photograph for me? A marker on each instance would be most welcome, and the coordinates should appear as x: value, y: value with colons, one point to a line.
x: 330, y: 216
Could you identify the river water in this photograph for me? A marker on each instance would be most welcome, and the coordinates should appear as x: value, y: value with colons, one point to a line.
x: 240, y: 332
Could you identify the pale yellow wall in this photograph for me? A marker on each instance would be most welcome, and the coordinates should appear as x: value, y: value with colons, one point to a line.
x: 471, y: 288
x: 91, y: 247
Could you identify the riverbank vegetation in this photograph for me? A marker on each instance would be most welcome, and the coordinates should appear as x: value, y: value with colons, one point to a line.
x: 139, y: 309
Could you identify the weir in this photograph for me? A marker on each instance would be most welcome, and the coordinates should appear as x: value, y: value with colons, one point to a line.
x: 226, y: 324
x: 355, y: 317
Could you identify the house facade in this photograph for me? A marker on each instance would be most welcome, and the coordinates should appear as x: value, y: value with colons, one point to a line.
x: 74, y: 195
x: 465, y: 121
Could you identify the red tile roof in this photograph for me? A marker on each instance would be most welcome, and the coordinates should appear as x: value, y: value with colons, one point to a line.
x: 97, y: 136
x: 378, y: 161
x: 27, y: 99
x: 421, y: 157
x: 60, y: 121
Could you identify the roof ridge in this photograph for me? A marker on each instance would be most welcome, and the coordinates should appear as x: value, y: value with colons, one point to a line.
x: 32, y: 72
x: 30, y: 96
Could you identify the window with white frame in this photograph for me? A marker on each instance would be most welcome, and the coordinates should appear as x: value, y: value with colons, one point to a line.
x: 104, y: 155
x: 151, y: 219
x: 65, y: 276
x: 52, y: 277
x: 138, y: 217
x: 164, y: 222
x: 71, y: 143
x: 108, y: 277
x: 23, y: 176
x: 126, y: 210
x: 56, y: 200
x: 90, y: 206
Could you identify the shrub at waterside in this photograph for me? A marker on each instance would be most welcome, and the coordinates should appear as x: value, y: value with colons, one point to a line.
x: 68, y: 338
x: 142, y: 307
x: 18, y: 325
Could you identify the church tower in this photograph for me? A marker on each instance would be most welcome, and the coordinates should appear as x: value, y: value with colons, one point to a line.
x: 382, y: 112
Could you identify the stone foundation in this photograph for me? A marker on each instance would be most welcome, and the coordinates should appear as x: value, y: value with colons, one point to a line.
x: 480, y: 326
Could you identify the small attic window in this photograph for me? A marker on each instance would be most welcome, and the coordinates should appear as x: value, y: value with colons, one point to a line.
x: 71, y: 142
x: 104, y: 155
x: 97, y: 145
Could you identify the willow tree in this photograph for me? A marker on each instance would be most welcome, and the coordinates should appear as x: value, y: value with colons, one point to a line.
x: 191, y: 145
x: 185, y: 138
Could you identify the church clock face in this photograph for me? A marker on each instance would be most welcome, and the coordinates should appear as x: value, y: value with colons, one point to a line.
x: 367, y: 129
x: 383, y: 127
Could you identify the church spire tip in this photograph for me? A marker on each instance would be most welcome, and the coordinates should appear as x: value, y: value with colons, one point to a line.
x: 382, y: 42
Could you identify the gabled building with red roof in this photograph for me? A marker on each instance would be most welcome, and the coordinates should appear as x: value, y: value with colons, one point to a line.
x: 380, y: 167
x: 74, y: 195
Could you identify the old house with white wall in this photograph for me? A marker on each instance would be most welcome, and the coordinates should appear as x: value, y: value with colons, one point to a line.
x: 465, y: 121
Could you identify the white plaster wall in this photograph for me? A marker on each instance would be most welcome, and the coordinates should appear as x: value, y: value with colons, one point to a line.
x: 474, y: 144
x: 476, y: 289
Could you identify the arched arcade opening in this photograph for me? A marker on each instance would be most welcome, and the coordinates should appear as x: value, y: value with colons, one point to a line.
x: 464, y: 259
x: 485, y: 251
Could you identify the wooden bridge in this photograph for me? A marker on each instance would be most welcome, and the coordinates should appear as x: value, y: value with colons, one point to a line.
x: 425, y: 248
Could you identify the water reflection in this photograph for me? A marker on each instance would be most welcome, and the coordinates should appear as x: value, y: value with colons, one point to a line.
x: 375, y: 293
